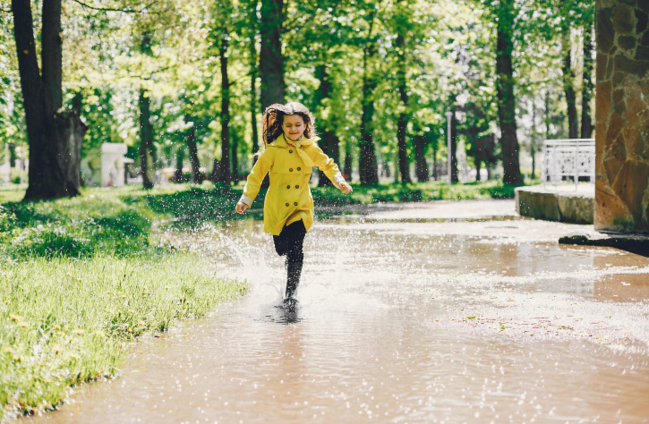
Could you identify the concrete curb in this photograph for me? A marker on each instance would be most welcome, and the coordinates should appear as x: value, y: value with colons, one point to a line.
x: 574, y: 207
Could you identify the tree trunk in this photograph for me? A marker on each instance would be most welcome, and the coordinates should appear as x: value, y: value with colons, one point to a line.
x: 54, y: 134
x: 547, y: 114
x: 146, y: 141
x: 330, y: 143
x: 235, y: 156
x: 533, y: 165
x: 347, y: 168
x: 568, y: 87
x: 180, y: 157
x: 225, y: 175
x: 587, y: 88
x: 421, y: 167
x: 271, y: 60
x: 253, y: 80
x: 197, y: 178
x: 435, y: 176
x: 215, y: 176
x: 454, y: 172
x: 12, y: 154
x: 533, y: 138
x: 367, y: 164
x: 402, y: 123
x: 478, y: 168
x: 505, y: 93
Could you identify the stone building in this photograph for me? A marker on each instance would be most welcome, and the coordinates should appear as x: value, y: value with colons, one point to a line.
x: 622, y: 116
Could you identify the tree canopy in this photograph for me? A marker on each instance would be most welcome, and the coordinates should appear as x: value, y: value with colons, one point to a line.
x: 175, y: 79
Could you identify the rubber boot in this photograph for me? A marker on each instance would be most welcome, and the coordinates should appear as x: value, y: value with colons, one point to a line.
x: 293, y: 272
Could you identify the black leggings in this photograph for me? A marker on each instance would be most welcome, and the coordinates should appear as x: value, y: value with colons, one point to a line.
x: 290, y: 241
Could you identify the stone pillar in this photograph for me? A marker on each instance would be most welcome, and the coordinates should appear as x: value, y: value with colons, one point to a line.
x: 622, y: 116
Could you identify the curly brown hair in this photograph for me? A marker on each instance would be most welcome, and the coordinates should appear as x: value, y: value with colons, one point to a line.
x: 274, y: 118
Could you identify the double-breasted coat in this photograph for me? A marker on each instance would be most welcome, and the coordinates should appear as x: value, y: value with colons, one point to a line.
x: 290, y: 164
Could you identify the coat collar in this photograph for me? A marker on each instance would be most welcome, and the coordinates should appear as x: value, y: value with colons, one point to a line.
x: 281, y: 141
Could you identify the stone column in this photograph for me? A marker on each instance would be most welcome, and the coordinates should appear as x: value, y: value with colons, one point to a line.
x: 622, y: 116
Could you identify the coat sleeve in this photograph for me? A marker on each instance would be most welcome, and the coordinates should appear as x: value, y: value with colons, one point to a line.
x: 326, y: 165
x: 259, y: 171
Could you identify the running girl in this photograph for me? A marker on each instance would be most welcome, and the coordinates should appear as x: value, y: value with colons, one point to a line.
x: 289, y: 153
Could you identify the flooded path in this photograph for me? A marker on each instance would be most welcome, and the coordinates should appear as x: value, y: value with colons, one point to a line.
x: 437, y: 313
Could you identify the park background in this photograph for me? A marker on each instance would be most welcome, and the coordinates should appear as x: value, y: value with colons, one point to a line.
x: 183, y: 86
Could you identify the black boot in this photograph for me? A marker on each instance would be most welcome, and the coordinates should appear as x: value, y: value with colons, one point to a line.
x: 293, y: 272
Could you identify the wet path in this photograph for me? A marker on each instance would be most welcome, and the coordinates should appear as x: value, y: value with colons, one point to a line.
x: 456, y: 312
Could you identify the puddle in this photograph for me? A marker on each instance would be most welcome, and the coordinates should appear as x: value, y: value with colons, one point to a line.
x: 429, y: 322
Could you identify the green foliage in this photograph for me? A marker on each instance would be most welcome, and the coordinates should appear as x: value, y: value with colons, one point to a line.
x: 64, y: 321
x: 449, y: 49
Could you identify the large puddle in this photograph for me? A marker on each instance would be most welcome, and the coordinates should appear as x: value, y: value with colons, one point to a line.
x: 451, y: 313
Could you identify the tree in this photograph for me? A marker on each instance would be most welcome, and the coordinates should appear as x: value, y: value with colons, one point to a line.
x: 368, y: 166
x: 197, y: 178
x: 224, y: 175
x: 568, y: 81
x: 402, y: 125
x: 254, y: 72
x: 55, y: 134
x: 421, y: 167
x: 330, y: 142
x: 505, y: 91
x: 271, y: 60
x: 147, y: 155
x: 587, y: 76
x: 454, y: 171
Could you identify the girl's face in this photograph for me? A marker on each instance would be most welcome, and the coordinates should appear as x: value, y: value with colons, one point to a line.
x: 293, y: 127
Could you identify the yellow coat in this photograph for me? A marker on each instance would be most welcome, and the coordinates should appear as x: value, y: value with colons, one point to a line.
x: 289, y: 197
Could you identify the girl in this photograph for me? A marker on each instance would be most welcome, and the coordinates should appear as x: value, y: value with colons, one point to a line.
x: 289, y: 153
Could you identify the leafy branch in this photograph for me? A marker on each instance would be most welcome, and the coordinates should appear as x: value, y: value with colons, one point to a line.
x: 111, y: 9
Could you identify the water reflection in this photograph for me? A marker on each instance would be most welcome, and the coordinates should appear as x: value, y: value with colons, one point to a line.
x: 428, y: 322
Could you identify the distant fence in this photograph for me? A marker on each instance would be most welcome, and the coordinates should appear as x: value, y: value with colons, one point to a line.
x: 568, y: 159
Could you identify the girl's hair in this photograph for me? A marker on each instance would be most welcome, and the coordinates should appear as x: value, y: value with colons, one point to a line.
x: 274, y: 118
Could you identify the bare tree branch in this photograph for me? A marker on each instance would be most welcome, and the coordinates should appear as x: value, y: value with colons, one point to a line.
x: 111, y: 9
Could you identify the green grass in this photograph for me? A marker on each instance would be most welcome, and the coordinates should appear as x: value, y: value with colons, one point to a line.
x: 65, y: 321
x: 76, y: 227
x: 81, y: 277
x: 412, y: 192
x: 12, y: 193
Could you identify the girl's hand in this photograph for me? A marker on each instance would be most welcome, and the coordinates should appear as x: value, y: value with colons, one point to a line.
x: 346, y: 188
x: 241, y: 207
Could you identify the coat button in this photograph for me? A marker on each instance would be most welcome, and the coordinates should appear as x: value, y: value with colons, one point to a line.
x: 299, y: 169
x: 297, y: 186
x: 287, y: 204
x: 288, y: 186
x: 290, y: 170
x: 290, y: 151
x: 295, y: 203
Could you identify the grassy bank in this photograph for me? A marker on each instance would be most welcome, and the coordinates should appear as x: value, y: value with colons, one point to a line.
x: 79, y: 278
